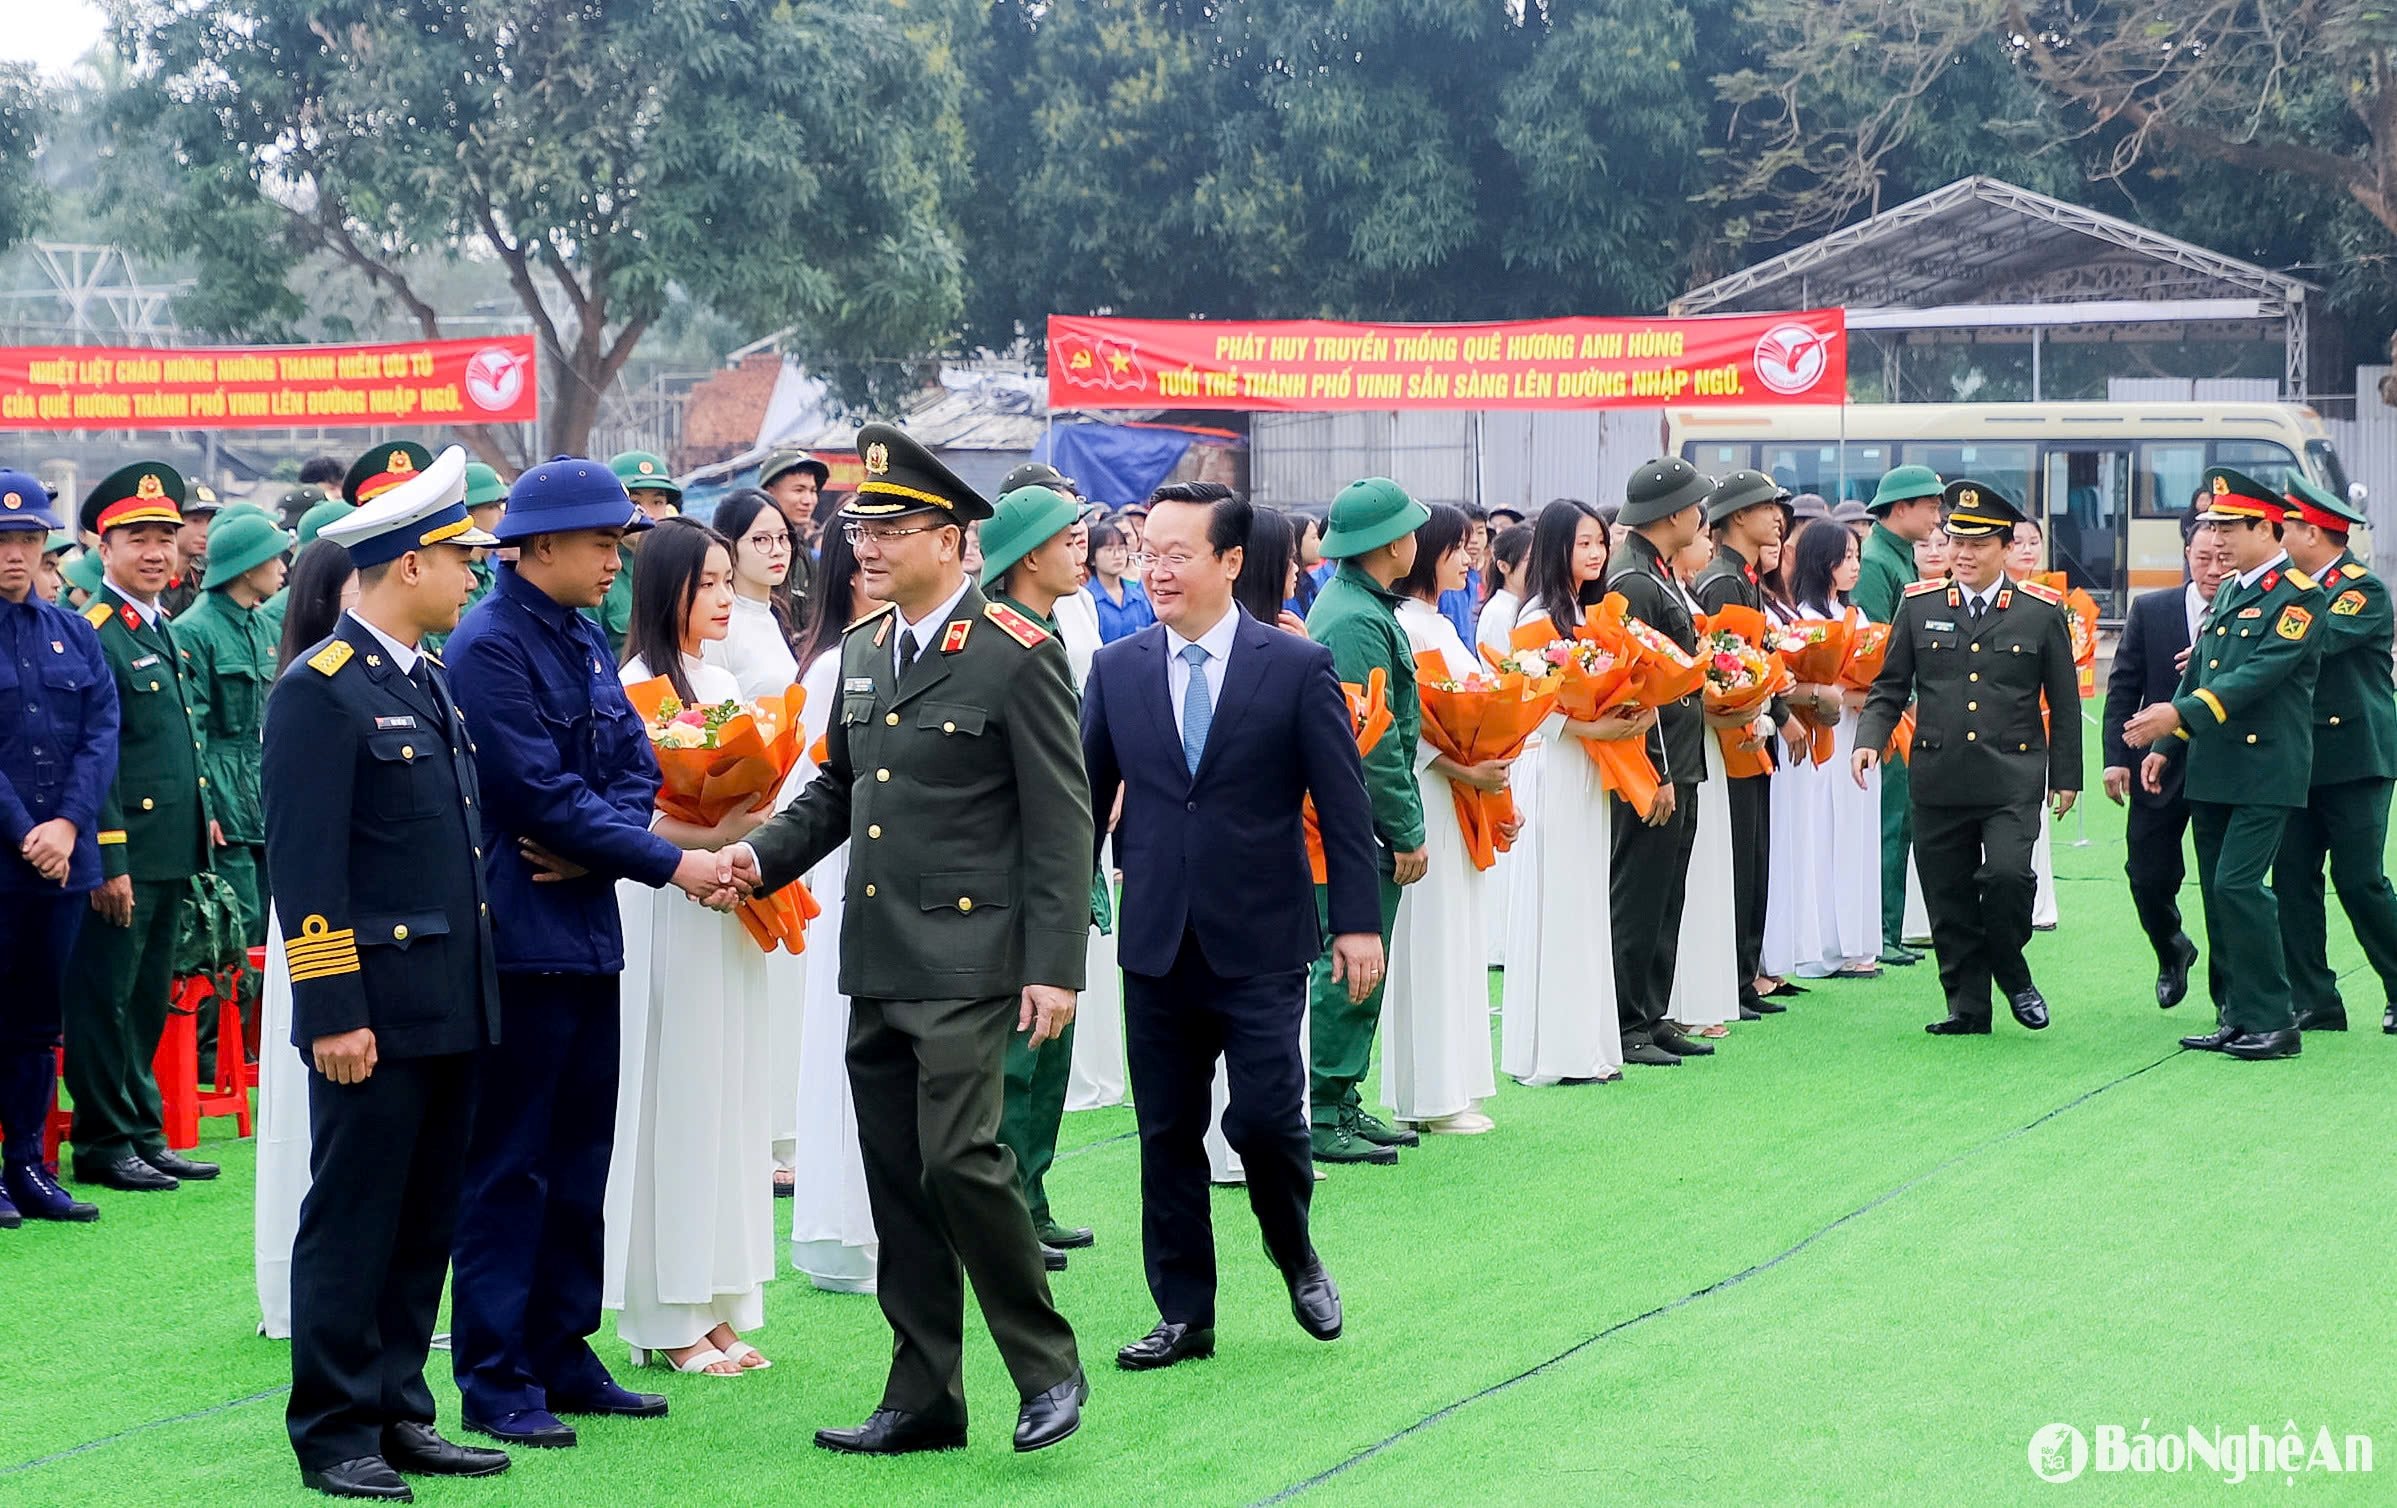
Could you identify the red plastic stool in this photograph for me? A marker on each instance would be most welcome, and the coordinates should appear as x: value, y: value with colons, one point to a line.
x: 178, y: 1064
x: 58, y: 1123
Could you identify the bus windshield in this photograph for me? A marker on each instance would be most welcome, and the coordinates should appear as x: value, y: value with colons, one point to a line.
x: 2323, y: 461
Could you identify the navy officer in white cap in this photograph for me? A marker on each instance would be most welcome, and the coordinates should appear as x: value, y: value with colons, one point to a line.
x: 373, y: 834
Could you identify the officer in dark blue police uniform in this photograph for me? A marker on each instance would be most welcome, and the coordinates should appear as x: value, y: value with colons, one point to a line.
x: 58, y: 753
x: 372, y: 833
x: 571, y: 780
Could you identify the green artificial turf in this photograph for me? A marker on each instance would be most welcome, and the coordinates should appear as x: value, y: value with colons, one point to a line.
x: 1839, y: 1262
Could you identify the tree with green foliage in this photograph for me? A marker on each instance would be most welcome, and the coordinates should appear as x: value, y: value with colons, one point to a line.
x: 24, y: 115
x: 781, y: 162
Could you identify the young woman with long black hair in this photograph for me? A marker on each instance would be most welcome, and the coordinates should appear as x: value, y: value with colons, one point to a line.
x: 690, y: 1207
x: 1559, y: 999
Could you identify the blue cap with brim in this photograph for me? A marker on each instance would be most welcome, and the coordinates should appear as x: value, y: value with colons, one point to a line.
x: 566, y: 493
x: 25, y: 504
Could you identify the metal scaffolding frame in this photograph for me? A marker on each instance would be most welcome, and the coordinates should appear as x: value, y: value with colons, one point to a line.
x: 1932, y: 257
x: 95, y: 295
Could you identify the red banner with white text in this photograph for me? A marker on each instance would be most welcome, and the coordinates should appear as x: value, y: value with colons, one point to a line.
x: 422, y: 382
x: 1311, y: 365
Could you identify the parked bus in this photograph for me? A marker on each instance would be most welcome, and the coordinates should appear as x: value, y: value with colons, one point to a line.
x: 2110, y: 482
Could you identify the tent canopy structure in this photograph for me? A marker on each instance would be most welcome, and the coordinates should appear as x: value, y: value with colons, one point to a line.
x: 2003, y: 264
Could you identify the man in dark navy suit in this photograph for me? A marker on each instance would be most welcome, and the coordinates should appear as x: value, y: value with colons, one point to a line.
x: 2147, y: 670
x: 372, y: 832
x: 1214, y: 727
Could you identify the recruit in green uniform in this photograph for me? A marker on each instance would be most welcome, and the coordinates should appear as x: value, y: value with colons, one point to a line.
x: 230, y: 666
x: 1905, y: 509
x: 1028, y: 564
x: 2346, y: 814
x: 1370, y: 531
x: 154, y: 836
x: 2243, y: 721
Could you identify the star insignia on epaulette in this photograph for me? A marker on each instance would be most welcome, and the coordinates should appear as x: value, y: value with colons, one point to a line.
x: 1918, y: 588
x: 2042, y: 591
x: 1015, y: 625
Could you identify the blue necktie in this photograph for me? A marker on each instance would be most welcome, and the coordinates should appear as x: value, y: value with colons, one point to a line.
x: 1198, y: 708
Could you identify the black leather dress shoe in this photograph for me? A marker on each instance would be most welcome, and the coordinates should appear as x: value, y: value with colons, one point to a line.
x: 1680, y: 1043
x: 1051, y: 1258
x: 1959, y: 1026
x: 128, y: 1174
x: 1765, y: 1004
x: 2172, y: 978
x: 2332, y: 1020
x: 175, y: 1165
x: 2255, y: 1047
x: 2029, y: 1007
x: 1649, y: 1055
x: 1165, y: 1345
x: 1748, y: 1012
x: 894, y: 1432
x: 1315, y: 1300
x: 419, y: 1450
x: 1065, y: 1237
x: 618, y: 1402
x: 1049, y: 1417
x: 1787, y: 989
x: 2213, y: 1041
x: 533, y: 1429
x: 365, y: 1477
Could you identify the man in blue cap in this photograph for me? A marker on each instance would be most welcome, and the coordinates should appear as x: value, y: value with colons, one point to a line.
x: 58, y: 753
x: 370, y: 818
x: 566, y: 766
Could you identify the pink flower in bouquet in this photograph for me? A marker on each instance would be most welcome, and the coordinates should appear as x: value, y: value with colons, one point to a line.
x: 693, y: 716
x: 1559, y: 653
x: 1726, y: 663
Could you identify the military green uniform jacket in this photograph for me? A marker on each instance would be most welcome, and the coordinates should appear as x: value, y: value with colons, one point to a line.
x: 1356, y: 618
x: 154, y: 824
x: 2355, y: 706
x: 2246, y: 698
x: 614, y: 615
x: 230, y: 666
x: 1884, y: 569
x: 1677, y: 744
x: 1978, y: 739
x: 270, y: 616
x: 959, y: 790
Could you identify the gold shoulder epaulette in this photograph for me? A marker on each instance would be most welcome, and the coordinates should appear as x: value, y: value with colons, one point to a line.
x: 2355, y: 568
x: 97, y: 614
x: 2042, y: 591
x: 331, y: 658
x: 1918, y: 588
x: 2304, y: 582
x: 1016, y: 626
x: 869, y: 617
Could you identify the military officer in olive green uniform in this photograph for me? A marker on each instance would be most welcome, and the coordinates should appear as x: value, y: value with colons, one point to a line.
x: 154, y: 836
x: 230, y: 646
x: 953, y: 770
x: 2243, y: 720
x: 1028, y: 564
x: 1905, y: 509
x: 1978, y: 654
x: 2346, y: 815
x: 1370, y: 531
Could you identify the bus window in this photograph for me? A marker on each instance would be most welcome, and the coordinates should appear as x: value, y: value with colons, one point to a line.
x: 1818, y: 467
x: 2268, y: 461
x: 2324, y: 462
x: 1717, y: 458
x: 2169, y: 478
x: 2004, y: 465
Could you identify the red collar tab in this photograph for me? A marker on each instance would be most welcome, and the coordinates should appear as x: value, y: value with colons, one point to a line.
x: 2271, y: 580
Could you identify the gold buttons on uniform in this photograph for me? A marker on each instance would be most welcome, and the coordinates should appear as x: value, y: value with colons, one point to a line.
x: 1972, y: 738
x: 407, y: 751
x: 890, y: 719
x: 2026, y: 748
x: 948, y: 727
x: 399, y: 934
x: 882, y: 775
x: 2334, y: 722
x: 154, y: 687
x: 1976, y: 675
x: 1976, y: 649
x: 1972, y: 706
x: 874, y: 830
x: 204, y: 779
x: 965, y: 903
x: 2218, y: 633
x: 147, y: 803
x: 869, y: 892
x: 2213, y: 664
x: 2251, y: 738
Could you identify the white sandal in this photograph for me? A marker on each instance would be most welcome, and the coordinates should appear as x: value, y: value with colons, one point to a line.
x: 739, y: 1353
x: 697, y: 1362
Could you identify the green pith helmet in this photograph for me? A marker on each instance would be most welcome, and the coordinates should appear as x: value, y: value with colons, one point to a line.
x: 1025, y: 519
x: 1368, y: 514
